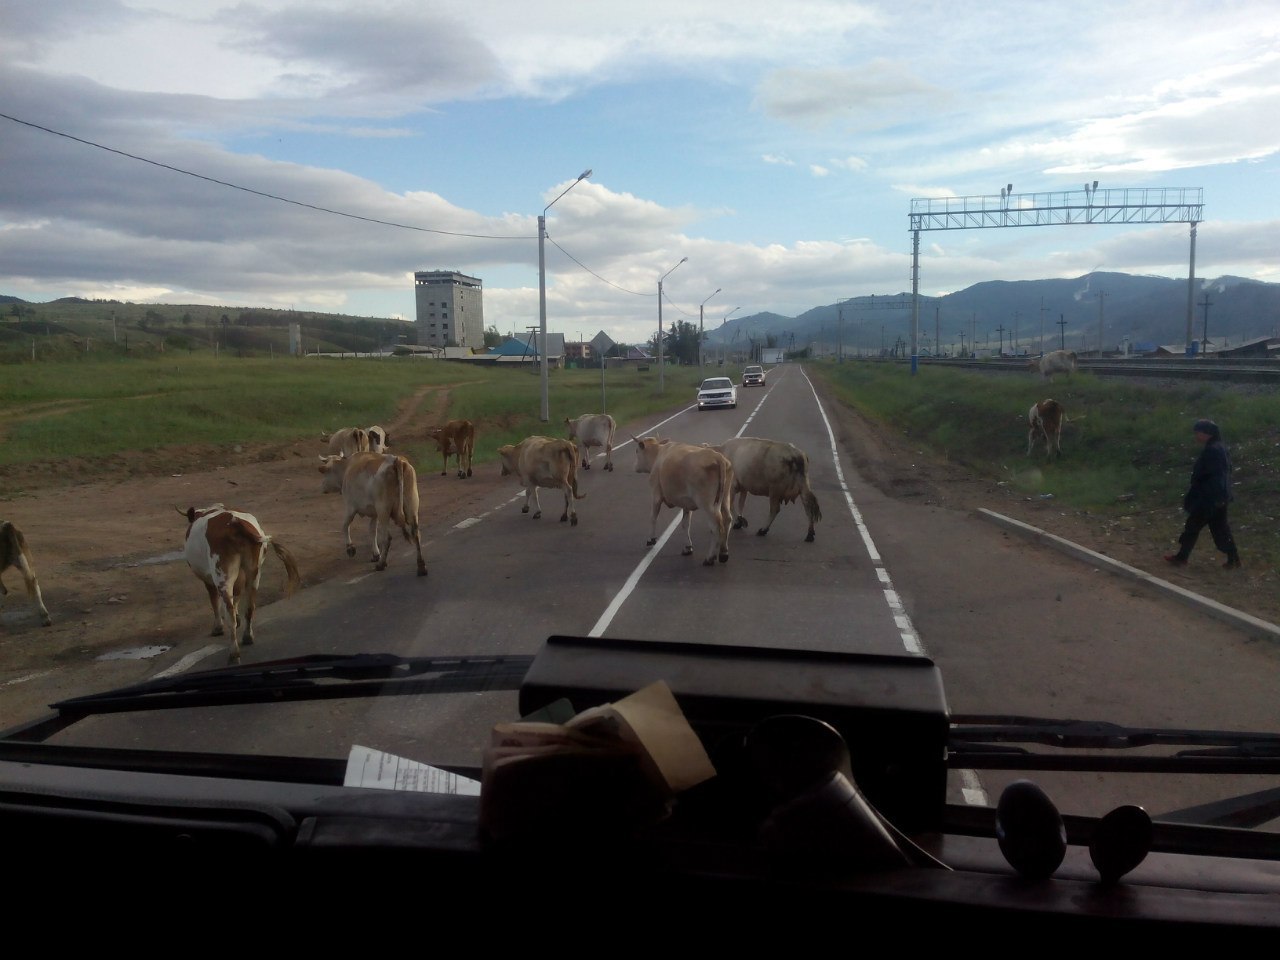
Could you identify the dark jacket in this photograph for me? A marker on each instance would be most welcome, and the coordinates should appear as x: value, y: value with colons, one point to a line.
x: 1210, y: 488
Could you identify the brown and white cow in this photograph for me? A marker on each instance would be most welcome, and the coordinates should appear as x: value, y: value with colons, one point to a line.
x: 1058, y: 361
x: 691, y: 478
x: 1045, y: 419
x: 592, y: 430
x: 348, y: 440
x: 382, y: 487
x: 773, y: 469
x: 14, y: 553
x: 379, y: 439
x: 544, y: 462
x: 456, y: 438
x: 225, y: 549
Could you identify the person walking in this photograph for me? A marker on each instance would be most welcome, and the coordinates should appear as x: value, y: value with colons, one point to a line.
x: 1207, y: 497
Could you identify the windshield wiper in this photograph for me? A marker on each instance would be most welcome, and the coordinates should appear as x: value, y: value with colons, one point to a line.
x: 978, y: 742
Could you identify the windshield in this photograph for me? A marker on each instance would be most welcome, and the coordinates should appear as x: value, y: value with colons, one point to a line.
x: 356, y: 265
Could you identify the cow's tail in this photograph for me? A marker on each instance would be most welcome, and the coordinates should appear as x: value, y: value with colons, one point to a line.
x: 800, y: 467
x: 573, y: 473
x: 402, y: 508
x: 290, y: 567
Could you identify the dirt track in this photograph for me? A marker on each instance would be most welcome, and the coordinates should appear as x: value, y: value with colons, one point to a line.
x: 105, y: 551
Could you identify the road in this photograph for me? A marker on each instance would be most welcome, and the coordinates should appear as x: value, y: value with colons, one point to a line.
x: 1015, y: 628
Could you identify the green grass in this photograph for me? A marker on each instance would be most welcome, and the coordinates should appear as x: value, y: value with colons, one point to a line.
x: 95, y: 406
x: 1128, y: 448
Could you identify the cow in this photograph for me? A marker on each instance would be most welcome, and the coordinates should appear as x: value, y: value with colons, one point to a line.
x: 1045, y: 419
x: 592, y: 430
x: 348, y: 440
x: 773, y: 469
x: 382, y: 487
x: 544, y: 462
x: 1058, y: 361
x: 14, y: 553
x: 691, y: 478
x: 456, y: 438
x: 379, y: 440
x: 225, y: 549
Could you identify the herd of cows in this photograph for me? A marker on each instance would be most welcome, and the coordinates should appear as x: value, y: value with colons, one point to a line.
x: 226, y: 548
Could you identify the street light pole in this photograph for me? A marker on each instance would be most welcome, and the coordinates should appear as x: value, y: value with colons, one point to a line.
x: 701, y: 336
x: 723, y: 345
x: 545, y: 413
x: 661, y: 379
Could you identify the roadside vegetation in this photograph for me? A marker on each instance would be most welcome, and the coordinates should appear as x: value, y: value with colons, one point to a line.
x: 94, y: 407
x: 1127, y: 448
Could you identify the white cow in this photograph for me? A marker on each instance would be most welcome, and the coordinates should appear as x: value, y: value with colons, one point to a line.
x: 691, y: 478
x: 773, y: 469
x: 1059, y: 361
x: 544, y: 462
x: 348, y: 440
x: 383, y: 487
x: 592, y: 430
x: 379, y: 440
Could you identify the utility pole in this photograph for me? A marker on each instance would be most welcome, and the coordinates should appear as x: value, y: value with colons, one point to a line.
x: 1000, y: 330
x: 1204, y: 340
x: 1102, y: 298
x: 1062, y: 332
x: 1042, y: 326
x: 1014, y: 341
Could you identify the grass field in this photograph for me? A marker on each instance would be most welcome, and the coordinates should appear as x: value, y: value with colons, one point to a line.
x: 93, y: 407
x: 1128, y: 449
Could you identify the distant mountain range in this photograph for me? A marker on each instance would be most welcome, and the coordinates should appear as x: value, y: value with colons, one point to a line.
x: 1077, y: 313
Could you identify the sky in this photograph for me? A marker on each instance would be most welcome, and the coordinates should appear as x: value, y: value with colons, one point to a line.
x: 313, y: 155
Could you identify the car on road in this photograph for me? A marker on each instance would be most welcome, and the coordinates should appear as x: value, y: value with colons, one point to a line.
x: 717, y: 392
x: 753, y: 376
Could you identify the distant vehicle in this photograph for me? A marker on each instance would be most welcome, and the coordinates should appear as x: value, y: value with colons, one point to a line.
x: 717, y: 392
x: 753, y: 376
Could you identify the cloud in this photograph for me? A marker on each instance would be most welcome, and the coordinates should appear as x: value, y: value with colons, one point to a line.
x: 817, y: 170
x: 778, y: 159
x: 867, y: 96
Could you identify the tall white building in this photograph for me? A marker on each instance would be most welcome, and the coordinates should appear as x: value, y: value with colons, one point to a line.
x: 450, y: 309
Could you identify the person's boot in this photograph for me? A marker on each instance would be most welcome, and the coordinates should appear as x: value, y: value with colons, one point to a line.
x: 1177, y: 559
x: 1233, y: 562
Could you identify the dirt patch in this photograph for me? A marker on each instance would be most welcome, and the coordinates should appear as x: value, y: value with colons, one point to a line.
x: 106, y: 551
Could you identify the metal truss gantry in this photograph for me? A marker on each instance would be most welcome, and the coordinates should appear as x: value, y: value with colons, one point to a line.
x: 1053, y: 208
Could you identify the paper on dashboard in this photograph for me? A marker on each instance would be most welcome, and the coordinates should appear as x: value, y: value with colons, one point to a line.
x: 385, y: 771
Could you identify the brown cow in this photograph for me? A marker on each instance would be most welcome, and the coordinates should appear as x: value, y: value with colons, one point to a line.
x: 383, y: 487
x: 544, y: 462
x: 691, y: 478
x: 455, y: 438
x: 1045, y: 419
x: 225, y: 549
x: 14, y: 553
x: 773, y: 469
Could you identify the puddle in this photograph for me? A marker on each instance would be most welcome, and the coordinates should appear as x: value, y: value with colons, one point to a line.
x: 171, y: 557
x: 135, y: 653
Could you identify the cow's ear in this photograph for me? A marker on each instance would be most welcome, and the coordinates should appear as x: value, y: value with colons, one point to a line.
x: 191, y: 514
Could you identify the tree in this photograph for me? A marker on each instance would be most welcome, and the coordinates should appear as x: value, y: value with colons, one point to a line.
x: 680, y: 344
x: 492, y: 338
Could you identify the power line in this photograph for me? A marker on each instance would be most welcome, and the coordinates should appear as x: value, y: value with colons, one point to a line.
x: 260, y: 193
x: 635, y: 293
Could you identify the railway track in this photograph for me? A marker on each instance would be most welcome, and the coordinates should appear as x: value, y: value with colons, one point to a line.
x: 1169, y: 368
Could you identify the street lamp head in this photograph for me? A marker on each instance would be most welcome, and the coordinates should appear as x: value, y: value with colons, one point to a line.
x: 584, y: 174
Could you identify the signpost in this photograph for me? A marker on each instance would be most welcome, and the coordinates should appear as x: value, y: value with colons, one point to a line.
x: 601, y: 343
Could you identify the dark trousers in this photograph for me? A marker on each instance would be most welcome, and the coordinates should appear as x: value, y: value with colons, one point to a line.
x: 1216, y: 521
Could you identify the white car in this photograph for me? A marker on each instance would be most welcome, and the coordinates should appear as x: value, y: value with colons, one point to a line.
x: 753, y: 376
x: 717, y: 392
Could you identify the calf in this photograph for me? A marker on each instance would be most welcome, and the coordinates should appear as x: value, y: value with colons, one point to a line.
x: 378, y: 439
x: 544, y: 462
x: 1044, y: 419
x: 225, y: 549
x: 383, y: 487
x: 592, y: 430
x: 773, y: 469
x: 691, y: 478
x: 455, y: 438
x: 14, y: 553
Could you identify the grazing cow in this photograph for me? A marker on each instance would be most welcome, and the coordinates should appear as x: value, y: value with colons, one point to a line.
x: 382, y: 487
x: 14, y: 553
x: 544, y: 462
x: 691, y: 478
x: 225, y: 549
x: 773, y: 469
x: 1045, y: 419
x: 348, y: 440
x: 592, y: 430
x: 378, y: 439
x: 455, y: 438
x: 1059, y: 361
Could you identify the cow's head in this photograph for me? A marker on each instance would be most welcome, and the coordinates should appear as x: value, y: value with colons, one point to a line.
x: 646, y: 452
x: 379, y: 439
x: 333, y: 468
x: 507, y: 453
